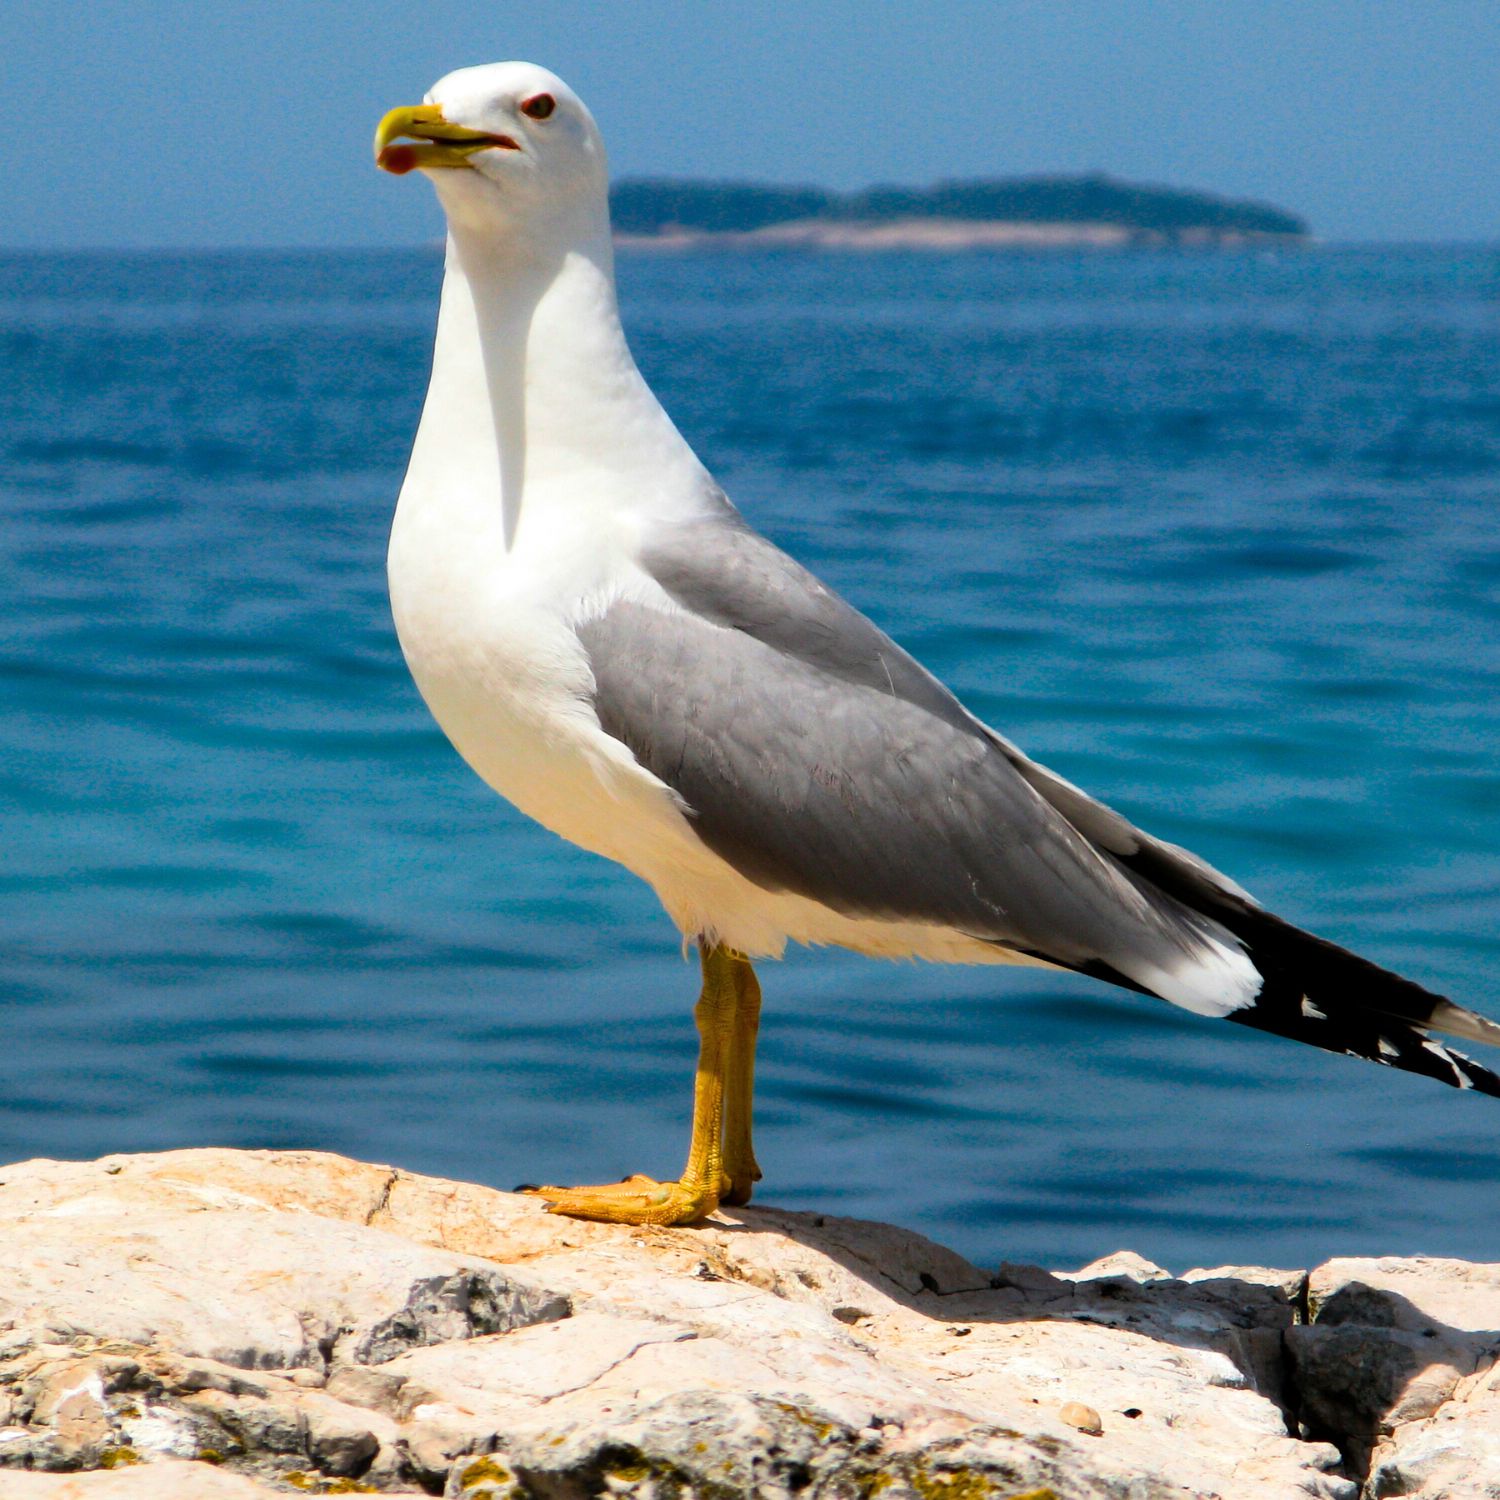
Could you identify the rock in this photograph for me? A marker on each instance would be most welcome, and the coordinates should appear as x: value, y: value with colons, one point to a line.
x: 222, y: 1323
x: 376, y: 1389
x: 1398, y: 1361
x: 460, y: 1306
x: 169, y: 1480
x: 314, y: 1279
x: 1453, y: 1455
x: 1121, y: 1263
x: 343, y: 1440
x: 1084, y: 1418
x: 1292, y: 1285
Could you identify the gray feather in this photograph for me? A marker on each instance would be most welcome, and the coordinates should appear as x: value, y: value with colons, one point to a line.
x: 722, y: 570
x: 817, y: 757
x: 726, y: 573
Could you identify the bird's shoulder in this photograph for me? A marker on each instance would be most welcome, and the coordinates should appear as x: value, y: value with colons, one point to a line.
x: 719, y: 568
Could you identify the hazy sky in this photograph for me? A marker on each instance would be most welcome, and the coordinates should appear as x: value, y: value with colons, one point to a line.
x: 211, y: 122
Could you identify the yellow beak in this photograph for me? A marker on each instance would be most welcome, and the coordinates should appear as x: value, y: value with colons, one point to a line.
x: 441, y: 144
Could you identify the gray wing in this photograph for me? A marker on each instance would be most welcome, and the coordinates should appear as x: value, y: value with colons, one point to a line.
x: 726, y: 573
x: 723, y: 571
x: 818, y: 757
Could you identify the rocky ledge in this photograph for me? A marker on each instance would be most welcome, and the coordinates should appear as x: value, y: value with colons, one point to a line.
x: 248, y: 1324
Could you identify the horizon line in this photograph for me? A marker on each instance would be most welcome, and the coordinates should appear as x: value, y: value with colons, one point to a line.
x: 1300, y: 244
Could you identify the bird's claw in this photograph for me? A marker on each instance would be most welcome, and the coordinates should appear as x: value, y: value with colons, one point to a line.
x: 635, y: 1200
x: 738, y: 1186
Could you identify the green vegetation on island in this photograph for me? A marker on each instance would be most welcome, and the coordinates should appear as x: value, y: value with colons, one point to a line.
x: 663, y: 207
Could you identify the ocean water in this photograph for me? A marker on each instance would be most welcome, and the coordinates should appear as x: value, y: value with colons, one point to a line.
x: 1215, y: 536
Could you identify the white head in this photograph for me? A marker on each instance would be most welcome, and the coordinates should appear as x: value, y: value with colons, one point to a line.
x: 511, y: 149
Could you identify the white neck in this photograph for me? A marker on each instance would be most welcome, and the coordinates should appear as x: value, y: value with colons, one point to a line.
x: 535, y: 400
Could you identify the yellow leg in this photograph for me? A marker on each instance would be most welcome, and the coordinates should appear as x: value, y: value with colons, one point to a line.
x: 728, y: 1016
x: 739, y: 1087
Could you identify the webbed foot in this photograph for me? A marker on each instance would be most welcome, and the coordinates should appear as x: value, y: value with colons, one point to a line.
x: 721, y: 1166
x: 636, y: 1200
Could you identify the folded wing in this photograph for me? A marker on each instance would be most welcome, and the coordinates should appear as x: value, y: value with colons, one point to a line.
x: 817, y: 757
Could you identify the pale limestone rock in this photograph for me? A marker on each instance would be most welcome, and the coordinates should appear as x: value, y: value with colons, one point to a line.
x: 1291, y: 1285
x: 1402, y: 1357
x: 170, y: 1480
x: 1121, y: 1263
x: 1413, y: 1293
x: 296, y: 1321
x: 119, y: 1260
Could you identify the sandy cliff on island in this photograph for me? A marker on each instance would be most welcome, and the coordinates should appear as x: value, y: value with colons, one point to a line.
x: 245, y: 1324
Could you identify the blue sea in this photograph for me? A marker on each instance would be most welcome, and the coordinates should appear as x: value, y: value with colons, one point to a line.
x: 1215, y: 535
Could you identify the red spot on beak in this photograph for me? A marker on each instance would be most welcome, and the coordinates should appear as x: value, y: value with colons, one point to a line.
x: 398, y: 159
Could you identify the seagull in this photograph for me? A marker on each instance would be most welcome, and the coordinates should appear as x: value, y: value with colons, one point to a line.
x: 611, y: 646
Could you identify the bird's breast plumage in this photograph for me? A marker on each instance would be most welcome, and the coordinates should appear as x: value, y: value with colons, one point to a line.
x: 503, y: 674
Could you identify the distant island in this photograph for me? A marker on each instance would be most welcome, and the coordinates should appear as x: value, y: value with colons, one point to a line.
x: 1091, y: 210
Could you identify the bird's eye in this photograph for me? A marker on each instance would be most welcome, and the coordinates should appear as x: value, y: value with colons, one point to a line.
x: 539, y: 106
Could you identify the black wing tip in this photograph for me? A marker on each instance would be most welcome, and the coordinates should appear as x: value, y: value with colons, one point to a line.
x: 1359, y: 1032
x: 1316, y: 992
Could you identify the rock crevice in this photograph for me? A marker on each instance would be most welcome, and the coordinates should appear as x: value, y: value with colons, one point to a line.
x: 222, y: 1324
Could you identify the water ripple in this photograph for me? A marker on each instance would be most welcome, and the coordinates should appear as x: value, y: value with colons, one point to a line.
x: 1212, y: 535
